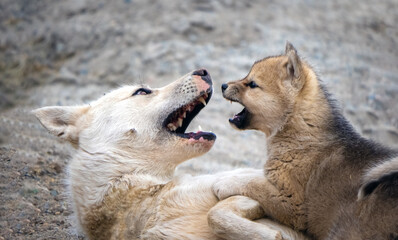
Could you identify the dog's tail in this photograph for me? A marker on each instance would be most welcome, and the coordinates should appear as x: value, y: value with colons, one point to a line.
x: 384, y: 175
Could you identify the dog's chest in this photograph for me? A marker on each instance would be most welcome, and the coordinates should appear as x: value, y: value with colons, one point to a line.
x: 123, y: 213
x: 180, y: 211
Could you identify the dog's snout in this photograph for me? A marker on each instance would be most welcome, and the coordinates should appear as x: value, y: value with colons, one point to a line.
x: 204, y: 74
x: 201, y: 72
x: 224, y: 86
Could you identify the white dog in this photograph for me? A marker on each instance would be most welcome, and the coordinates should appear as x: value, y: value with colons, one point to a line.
x: 128, y: 145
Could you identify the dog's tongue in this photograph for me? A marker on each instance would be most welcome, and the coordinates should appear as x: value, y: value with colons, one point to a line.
x: 200, y: 134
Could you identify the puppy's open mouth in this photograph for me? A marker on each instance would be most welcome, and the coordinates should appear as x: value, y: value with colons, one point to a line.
x: 241, y: 119
x: 178, y: 121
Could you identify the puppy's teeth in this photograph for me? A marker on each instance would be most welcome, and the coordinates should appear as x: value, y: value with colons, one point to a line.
x: 205, y: 95
x: 201, y: 99
x: 179, y: 122
x: 170, y: 126
x: 184, y: 115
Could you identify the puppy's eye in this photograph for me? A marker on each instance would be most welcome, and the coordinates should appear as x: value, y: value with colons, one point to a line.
x: 252, y: 84
x: 142, y: 91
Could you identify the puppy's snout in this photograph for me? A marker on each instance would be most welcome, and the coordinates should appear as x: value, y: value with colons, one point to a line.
x: 224, y: 86
x: 204, y: 74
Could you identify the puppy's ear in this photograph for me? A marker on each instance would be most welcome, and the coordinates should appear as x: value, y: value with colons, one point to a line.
x: 62, y: 121
x: 289, y: 47
x: 293, y: 65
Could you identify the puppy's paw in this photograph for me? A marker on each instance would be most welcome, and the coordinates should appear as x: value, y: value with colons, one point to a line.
x: 235, y: 182
x: 226, y: 187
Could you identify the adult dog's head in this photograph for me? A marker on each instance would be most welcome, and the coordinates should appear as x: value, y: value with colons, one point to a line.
x: 268, y: 93
x: 138, y: 122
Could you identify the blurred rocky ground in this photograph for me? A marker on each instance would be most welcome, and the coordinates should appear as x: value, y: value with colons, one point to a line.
x: 71, y: 52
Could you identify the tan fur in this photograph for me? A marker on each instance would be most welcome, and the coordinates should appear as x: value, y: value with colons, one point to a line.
x: 121, y: 177
x: 377, y: 172
x: 315, y: 159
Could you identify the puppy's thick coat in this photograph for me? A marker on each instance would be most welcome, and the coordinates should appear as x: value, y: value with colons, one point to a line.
x: 321, y: 176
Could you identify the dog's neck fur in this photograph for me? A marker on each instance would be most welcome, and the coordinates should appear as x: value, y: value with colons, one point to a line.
x: 90, y: 180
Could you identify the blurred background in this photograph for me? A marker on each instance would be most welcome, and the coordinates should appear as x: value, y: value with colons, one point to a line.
x: 71, y: 52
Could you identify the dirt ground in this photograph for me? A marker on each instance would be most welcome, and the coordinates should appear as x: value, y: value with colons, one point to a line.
x: 71, y: 52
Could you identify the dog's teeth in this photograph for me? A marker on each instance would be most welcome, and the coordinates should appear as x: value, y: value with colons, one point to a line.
x: 171, y: 126
x: 205, y: 95
x: 184, y: 115
x: 179, y: 122
x: 201, y: 99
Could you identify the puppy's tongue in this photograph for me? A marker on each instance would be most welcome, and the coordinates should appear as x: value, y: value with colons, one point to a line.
x: 239, y: 118
x: 236, y: 119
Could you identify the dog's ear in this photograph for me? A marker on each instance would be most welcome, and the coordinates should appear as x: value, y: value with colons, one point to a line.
x: 61, y: 121
x: 293, y: 65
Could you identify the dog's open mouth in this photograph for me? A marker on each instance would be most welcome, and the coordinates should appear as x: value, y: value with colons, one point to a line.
x: 178, y: 121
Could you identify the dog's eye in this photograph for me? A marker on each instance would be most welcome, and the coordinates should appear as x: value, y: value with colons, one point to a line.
x: 252, y: 84
x: 142, y: 91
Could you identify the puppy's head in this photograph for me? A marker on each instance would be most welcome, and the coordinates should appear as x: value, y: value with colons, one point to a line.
x: 267, y: 93
x: 138, y: 122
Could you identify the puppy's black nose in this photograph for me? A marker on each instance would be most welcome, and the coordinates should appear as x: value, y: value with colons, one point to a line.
x: 201, y: 72
x: 224, y: 86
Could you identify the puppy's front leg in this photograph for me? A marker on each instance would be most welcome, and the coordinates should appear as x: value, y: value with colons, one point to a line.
x: 232, y: 219
x: 232, y: 183
x: 259, y: 188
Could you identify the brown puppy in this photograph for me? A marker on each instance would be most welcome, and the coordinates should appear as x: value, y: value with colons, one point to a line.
x: 321, y: 177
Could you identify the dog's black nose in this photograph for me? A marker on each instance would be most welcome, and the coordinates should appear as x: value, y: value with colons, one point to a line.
x: 201, y: 72
x: 224, y: 86
x: 204, y: 74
